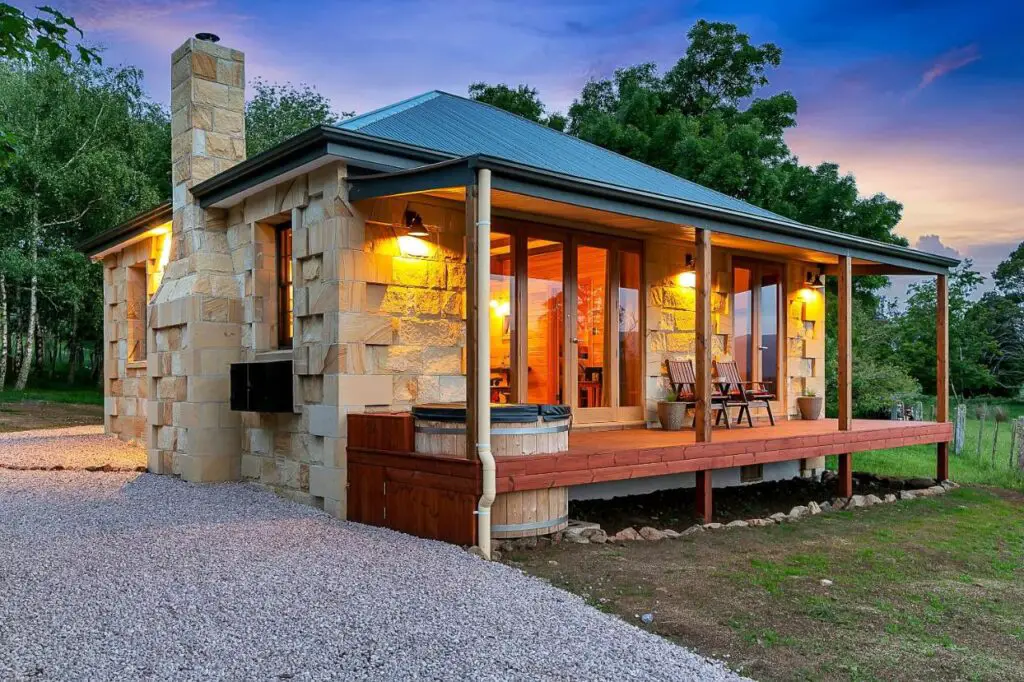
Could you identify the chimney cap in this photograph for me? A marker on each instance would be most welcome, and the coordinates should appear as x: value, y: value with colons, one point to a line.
x: 209, y: 37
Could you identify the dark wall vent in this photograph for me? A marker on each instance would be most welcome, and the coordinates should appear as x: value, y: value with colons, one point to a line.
x: 261, y: 386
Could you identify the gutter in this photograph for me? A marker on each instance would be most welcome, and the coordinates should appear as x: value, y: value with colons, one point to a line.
x: 584, y: 186
x: 126, y: 231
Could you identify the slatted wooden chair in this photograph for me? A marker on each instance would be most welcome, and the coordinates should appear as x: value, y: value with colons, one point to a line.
x: 684, y: 383
x: 743, y: 394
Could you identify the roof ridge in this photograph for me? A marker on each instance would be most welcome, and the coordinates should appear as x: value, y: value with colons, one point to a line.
x: 374, y: 115
x: 612, y: 151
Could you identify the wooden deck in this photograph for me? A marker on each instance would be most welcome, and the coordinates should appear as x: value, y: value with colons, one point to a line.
x: 596, y: 456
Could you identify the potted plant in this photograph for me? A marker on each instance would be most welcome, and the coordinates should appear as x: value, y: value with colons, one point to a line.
x: 671, y: 413
x: 810, y: 404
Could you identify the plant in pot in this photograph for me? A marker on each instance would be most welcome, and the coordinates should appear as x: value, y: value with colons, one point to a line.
x: 671, y: 413
x: 810, y: 404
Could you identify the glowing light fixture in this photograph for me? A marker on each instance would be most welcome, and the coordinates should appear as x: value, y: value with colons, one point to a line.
x: 816, y: 281
x: 688, y: 277
x: 414, y: 223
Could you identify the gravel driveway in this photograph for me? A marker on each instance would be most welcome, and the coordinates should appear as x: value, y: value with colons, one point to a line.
x: 74, y: 447
x: 126, y: 576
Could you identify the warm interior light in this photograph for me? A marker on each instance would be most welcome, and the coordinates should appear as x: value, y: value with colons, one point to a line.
x: 808, y: 294
x: 501, y: 308
x: 165, y: 251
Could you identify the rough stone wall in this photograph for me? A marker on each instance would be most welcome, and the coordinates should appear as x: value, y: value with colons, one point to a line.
x: 130, y: 277
x: 379, y: 323
x: 671, y: 313
x: 805, y: 332
x: 671, y: 323
x: 195, y: 318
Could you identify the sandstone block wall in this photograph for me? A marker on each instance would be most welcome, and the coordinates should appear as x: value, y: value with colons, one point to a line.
x: 196, y: 315
x: 671, y: 324
x: 671, y: 313
x: 379, y: 322
x: 130, y: 277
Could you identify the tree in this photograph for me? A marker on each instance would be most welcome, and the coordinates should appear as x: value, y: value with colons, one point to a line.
x: 968, y: 346
x: 278, y: 112
x: 1009, y: 275
x: 43, y: 36
x: 86, y: 136
x: 522, y: 100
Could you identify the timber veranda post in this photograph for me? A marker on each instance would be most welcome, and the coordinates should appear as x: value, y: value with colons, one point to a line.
x: 702, y: 366
x: 845, y: 356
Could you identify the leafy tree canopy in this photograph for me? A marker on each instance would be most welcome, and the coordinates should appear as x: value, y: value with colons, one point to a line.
x: 277, y: 112
x: 521, y: 100
x: 43, y: 36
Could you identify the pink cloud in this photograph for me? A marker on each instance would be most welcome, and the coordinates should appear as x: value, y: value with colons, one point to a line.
x: 949, y: 62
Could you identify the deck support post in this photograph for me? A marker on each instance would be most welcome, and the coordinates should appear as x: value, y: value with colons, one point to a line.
x: 702, y: 365
x: 845, y: 353
x: 704, y: 495
x: 942, y: 370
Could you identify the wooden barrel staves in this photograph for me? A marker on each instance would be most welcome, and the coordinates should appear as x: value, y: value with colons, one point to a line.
x: 516, y: 431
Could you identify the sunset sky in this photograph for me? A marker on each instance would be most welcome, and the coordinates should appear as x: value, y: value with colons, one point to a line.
x: 923, y: 101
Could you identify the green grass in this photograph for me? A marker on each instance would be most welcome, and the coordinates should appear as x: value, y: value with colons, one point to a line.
x: 974, y: 465
x: 77, y: 395
x: 927, y: 589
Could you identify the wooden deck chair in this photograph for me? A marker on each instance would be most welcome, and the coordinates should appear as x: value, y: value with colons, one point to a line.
x: 684, y: 383
x: 743, y: 394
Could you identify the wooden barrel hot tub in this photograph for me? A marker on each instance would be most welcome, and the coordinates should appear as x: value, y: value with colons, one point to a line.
x: 516, y: 431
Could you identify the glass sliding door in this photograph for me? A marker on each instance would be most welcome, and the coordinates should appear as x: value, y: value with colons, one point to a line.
x: 566, y: 322
x: 591, y: 331
x: 630, y: 325
x: 757, y: 301
x: 502, y: 320
x: 545, y: 321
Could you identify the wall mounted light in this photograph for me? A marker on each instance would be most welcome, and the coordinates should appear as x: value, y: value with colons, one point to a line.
x: 688, y: 277
x: 414, y: 223
x: 816, y: 281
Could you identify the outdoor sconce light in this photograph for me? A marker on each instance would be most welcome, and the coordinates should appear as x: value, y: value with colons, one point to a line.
x: 688, y: 278
x: 816, y: 281
x: 414, y: 223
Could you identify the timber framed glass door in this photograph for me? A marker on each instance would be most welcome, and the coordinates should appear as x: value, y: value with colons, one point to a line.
x: 566, y: 321
x: 757, y: 320
x: 604, y: 330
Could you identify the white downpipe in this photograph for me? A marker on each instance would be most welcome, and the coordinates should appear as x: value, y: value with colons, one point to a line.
x: 483, y: 361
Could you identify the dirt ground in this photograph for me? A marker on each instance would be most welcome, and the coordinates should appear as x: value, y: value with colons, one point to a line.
x: 924, y: 589
x: 37, y: 414
x: 675, y: 508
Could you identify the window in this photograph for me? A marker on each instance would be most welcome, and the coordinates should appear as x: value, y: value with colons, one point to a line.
x: 137, y: 301
x: 285, y: 290
x: 751, y: 473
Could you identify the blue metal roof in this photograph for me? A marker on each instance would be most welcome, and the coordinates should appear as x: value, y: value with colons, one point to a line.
x: 464, y: 127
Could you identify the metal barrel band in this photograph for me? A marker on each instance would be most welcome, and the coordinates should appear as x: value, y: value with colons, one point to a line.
x: 437, y: 430
x: 533, y: 525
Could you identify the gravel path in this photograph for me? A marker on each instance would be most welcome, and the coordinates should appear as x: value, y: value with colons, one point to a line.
x: 127, y: 576
x: 75, y: 447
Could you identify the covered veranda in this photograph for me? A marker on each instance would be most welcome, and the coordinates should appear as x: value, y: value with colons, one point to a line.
x: 491, y: 189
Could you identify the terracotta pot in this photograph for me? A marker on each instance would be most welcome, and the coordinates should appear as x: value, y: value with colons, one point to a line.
x: 810, y: 406
x: 671, y: 415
